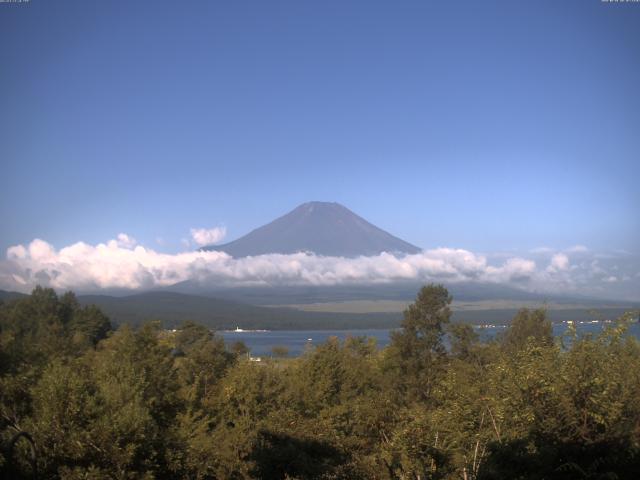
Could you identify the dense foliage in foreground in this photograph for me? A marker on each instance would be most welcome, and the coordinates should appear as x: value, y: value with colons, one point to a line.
x: 148, y: 403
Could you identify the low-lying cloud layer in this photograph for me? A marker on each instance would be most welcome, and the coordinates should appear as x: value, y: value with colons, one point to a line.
x: 122, y: 264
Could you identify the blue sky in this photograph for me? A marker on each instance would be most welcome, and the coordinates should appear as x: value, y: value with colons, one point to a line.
x: 491, y: 126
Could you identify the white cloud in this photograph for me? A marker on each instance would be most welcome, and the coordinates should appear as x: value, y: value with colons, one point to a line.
x: 559, y: 263
x: 542, y: 250
x: 577, y: 249
x: 125, y: 241
x: 17, y: 252
x: 515, y: 269
x: 41, y: 251
x: 121, y: 263
x: 208, y: 236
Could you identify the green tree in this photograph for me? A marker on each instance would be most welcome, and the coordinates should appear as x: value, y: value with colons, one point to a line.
x: 464, y: 340
x: 416, y: 352
x: 528, y: 324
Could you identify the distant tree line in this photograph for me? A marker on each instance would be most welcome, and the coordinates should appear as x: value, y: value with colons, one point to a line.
x: 145, y: 403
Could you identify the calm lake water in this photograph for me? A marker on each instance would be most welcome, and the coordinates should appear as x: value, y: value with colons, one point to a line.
x: 261, y: 342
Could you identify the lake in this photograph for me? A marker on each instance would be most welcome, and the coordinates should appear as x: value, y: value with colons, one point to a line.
x: 261, y: 342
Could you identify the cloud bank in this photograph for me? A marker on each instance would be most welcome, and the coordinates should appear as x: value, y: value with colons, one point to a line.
x: 123, y: 264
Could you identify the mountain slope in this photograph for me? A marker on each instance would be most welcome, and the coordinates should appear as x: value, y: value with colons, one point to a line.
x: 6, y: 296
x: 400, y: 290
x: 323, y: 228
x: 174, y: 308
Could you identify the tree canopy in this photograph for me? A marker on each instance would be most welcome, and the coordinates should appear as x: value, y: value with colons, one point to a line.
x: 437, y: 403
